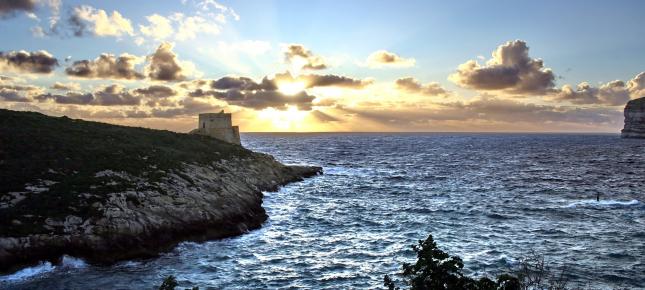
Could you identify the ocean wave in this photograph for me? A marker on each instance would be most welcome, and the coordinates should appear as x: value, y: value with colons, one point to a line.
x: 29, y: 272
x: 602, y: 203
x: 43, y: 268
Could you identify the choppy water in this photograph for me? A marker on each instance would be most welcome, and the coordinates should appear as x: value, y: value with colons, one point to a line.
x: 488, y: 198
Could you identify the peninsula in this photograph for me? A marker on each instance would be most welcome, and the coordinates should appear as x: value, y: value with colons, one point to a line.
x: 107, y: 193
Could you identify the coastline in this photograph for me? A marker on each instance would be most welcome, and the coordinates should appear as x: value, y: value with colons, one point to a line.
x: 106, y: 193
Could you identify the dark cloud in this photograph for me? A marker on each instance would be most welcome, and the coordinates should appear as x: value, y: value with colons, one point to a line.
x: 164, y: 65
x: 510, y: 69
x: 297, y: 54
x: 113, y: 95
x: 267, y: 99
x: 243, y: 84
x: 411, y: 85
x: 187, y: 107
x: 41, y: 62
x: 73, y: 98
x: 313, y: 80
x: 106, y: 66
x: 10, y: 95
x: 244, y: 91
x: 10, y: 7
x: 156, y: 91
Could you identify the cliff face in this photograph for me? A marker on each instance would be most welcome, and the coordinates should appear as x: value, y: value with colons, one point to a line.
x: 107, y: 193
x: 634, y: 119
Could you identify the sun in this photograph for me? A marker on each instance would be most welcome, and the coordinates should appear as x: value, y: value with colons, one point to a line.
x: 291, y: 119
x: 291, y: 88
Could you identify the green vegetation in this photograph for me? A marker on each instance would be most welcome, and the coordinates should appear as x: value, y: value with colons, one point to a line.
x: 170, y: 283
x: 63, y: 155
x: 436, y: 269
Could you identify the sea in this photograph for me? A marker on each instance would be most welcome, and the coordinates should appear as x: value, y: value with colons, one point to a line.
x: 491, y: 199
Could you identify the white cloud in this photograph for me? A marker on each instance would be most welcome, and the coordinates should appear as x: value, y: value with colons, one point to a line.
x: 99, y: 22
x: 159, y: 28
x: 384, y: 59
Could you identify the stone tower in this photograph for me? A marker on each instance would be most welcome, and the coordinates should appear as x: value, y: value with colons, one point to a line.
x: 218, y: 125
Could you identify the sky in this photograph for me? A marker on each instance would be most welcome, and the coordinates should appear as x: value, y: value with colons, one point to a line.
x: 327, y: 66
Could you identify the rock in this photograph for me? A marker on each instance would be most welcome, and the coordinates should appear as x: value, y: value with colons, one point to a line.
x: 211, y: 205
x: 634, y: 119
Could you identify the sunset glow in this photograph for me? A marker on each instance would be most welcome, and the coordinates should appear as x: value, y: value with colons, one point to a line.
x: 277, y: 68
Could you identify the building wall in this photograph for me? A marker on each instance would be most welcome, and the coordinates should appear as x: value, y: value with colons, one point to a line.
x: 215, y: 120
x: 218, y: 125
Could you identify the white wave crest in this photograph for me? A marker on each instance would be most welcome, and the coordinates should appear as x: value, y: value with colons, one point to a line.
x: 602, y: 203
x: 43, y: 268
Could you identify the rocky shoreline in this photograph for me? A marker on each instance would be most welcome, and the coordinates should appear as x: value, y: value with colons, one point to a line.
x: 117, y: 213
x: 634, y: 119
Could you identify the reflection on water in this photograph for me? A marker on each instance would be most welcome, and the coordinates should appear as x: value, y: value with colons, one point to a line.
x: 488, y: 198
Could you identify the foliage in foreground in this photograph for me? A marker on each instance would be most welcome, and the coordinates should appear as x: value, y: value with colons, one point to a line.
x: 170, y: 283
x: 436, y: 269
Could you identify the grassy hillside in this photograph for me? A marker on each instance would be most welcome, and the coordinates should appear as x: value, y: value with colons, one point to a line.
x: 50, y: 161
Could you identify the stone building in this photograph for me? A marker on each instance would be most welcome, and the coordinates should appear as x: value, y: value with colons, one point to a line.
x: 218, y: 125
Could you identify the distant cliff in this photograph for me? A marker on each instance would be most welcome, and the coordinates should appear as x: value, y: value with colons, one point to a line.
x: 105, y: 193
x: 634, y: 119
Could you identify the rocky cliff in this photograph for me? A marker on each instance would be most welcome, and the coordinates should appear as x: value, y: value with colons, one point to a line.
x: 107, y: 193
x: 634, y: 119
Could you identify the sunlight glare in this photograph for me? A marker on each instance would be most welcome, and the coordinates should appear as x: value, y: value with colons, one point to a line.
x: 291, y: 88
x: 289, y: 120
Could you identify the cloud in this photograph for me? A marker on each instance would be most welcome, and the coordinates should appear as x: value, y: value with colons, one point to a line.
x: 165, y: 66
x: 10, y: 7
x: 614, y: 93
x: 412, y: 85
x: 160, y: 27
x: 107, y: 66
x: 263, y: 99
x: 301, y: 58
x: 329, y: 80
x: 87, y: 19
x: 243, y: 84
x: 39, y: 62
x: 245, y: 92
x: 11, y: 92
x: 66, y: 86
x: 223, y: 12
x: 112, y: 95
x: 178, y: 27
x: 156, y: 91
x: 510, y: 69
x: 10, y: 95
x: 636, y: 86
x: 485, y: 109
x: 190, y: 26
x: 384, y: 58
x: 186, y: 107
